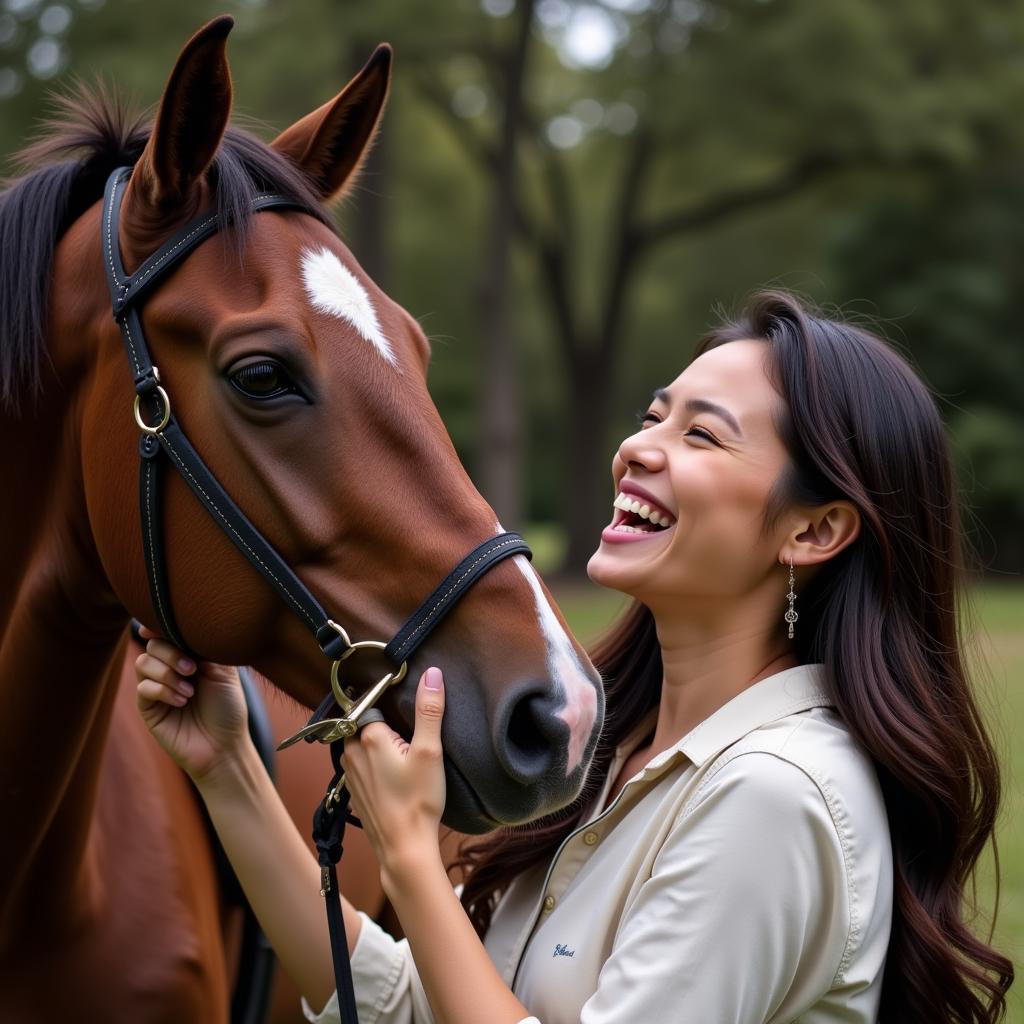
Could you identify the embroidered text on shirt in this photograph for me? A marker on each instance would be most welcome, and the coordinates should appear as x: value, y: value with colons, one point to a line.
x: 563, y: 951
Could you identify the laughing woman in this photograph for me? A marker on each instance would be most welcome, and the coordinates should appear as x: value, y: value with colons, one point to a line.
x: 794, y: 783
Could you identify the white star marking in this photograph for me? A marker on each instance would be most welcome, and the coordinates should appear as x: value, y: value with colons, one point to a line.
x: 333, y: 288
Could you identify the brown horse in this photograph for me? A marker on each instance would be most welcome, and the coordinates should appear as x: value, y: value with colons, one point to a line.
x: 303, y: 387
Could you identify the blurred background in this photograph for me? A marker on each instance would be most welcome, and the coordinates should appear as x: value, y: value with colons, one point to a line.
x: 566, y: 194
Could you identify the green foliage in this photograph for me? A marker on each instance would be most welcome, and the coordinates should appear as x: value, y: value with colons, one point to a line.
x: 990, y: 450
x: 942, y: 259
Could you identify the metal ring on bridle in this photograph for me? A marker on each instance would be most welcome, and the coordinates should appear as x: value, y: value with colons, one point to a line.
x: 345, y: 702
x: 331, y: 729
x: 164, y: 419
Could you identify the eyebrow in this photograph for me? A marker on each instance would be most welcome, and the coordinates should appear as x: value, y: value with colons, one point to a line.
x: 702, y: 405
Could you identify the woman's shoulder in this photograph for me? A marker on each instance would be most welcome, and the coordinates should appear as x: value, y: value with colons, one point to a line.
x: 814, y: 744
x: 804, y: 781
x: 810, y: 776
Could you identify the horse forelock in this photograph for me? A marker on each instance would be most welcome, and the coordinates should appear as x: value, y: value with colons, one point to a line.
x: 62, y: 173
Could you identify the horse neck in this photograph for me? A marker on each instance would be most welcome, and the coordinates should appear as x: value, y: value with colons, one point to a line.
x: 61, y: 634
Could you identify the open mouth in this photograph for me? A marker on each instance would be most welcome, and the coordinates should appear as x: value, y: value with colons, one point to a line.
x: 639, y: 516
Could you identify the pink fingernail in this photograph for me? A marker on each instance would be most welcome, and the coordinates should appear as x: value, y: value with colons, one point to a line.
x: 186, y: 688
x: 432, y: 679
x: 186, y: 665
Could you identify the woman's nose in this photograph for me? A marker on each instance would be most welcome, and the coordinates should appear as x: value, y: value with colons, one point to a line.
x: 642, y: 450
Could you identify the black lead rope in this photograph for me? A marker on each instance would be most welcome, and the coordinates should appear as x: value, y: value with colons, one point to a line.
x: 163, y: 442
x: 331, y: 816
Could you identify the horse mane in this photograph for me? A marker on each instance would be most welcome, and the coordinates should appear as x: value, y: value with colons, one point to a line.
x: 63, y: 172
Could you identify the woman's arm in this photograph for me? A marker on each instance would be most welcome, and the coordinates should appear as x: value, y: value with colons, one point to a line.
x: 201, y: 722
x: 461, y: 982
x: 398, y: 791
x: 278, y: 874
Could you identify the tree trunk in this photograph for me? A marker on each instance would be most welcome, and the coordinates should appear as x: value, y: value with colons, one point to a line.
x: 501, y: 459
x: 588, y: 501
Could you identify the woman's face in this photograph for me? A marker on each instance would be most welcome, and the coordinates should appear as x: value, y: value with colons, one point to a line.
x: 704, y: 474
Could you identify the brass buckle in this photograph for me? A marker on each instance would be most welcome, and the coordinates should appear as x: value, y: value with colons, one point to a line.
x: 352, y: 708
x: 164, y: 419
x: 330, y: 729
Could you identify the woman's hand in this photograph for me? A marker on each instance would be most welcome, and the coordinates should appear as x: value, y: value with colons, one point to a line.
x: 201, y: 722
x: 398, y: 788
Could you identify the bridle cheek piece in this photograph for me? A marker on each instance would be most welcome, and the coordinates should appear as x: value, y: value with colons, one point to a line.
x: 162, y: 441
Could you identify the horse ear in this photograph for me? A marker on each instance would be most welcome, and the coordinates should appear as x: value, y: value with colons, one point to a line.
x: 330, y: 143
x: 194, y: 112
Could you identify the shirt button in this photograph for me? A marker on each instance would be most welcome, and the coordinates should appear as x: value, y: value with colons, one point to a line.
x: 590, y: 838
x: 549, y: 904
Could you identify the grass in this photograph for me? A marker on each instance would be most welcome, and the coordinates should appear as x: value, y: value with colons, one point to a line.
x: 998, y: 666
x: 1000, y: 609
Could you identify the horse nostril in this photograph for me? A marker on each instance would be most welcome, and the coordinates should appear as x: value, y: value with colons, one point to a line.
x: 523, y: 733
x: 528, y: 736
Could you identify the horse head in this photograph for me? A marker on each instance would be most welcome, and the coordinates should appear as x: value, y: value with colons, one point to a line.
x: 303, y: 386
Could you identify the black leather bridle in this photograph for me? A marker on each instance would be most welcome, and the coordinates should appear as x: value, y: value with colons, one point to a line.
x: 162, y: 441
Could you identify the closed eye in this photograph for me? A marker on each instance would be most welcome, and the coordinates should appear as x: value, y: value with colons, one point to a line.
x: 701, y: 432
x: 649, y: 419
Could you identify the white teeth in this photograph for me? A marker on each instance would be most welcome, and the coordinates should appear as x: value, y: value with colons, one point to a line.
x: 628, y: 504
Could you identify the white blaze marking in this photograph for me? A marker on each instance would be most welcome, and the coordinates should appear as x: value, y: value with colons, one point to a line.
x: 333, y: 288
x: 580, y: 710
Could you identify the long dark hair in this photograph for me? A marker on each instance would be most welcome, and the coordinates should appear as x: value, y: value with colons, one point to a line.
x: 884, y: 617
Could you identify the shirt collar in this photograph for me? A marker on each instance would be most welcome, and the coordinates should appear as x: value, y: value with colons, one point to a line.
x: 769, y: 699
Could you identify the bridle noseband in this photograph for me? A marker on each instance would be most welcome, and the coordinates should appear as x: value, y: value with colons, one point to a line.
x: 162, y: 441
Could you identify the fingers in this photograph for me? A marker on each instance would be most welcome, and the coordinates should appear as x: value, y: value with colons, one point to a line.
x: 167, y: 654
x: 152, y: 692
x: 376, y: 735
x: 426, y: 737
x: 154, y: 669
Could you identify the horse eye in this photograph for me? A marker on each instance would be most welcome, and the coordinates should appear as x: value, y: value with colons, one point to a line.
x: 265, y: 379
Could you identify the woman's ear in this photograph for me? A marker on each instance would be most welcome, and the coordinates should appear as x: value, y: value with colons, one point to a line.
x: 822, y: 533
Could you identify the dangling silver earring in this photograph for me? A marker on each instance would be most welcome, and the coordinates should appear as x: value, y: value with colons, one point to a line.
x: 791, y: 616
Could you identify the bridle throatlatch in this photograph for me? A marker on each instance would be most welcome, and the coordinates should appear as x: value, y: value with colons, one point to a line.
x: 163, y: 442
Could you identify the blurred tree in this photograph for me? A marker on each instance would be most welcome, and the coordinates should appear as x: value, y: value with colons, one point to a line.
x: 989, y: 445
x: 501, y: 416
x: 725, y: 108
x: 944, y: 255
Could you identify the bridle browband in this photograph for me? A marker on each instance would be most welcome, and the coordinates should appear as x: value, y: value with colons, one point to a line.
x: 162, y: 441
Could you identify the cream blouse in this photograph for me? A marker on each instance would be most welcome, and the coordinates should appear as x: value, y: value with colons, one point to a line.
x: 744, y: 876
